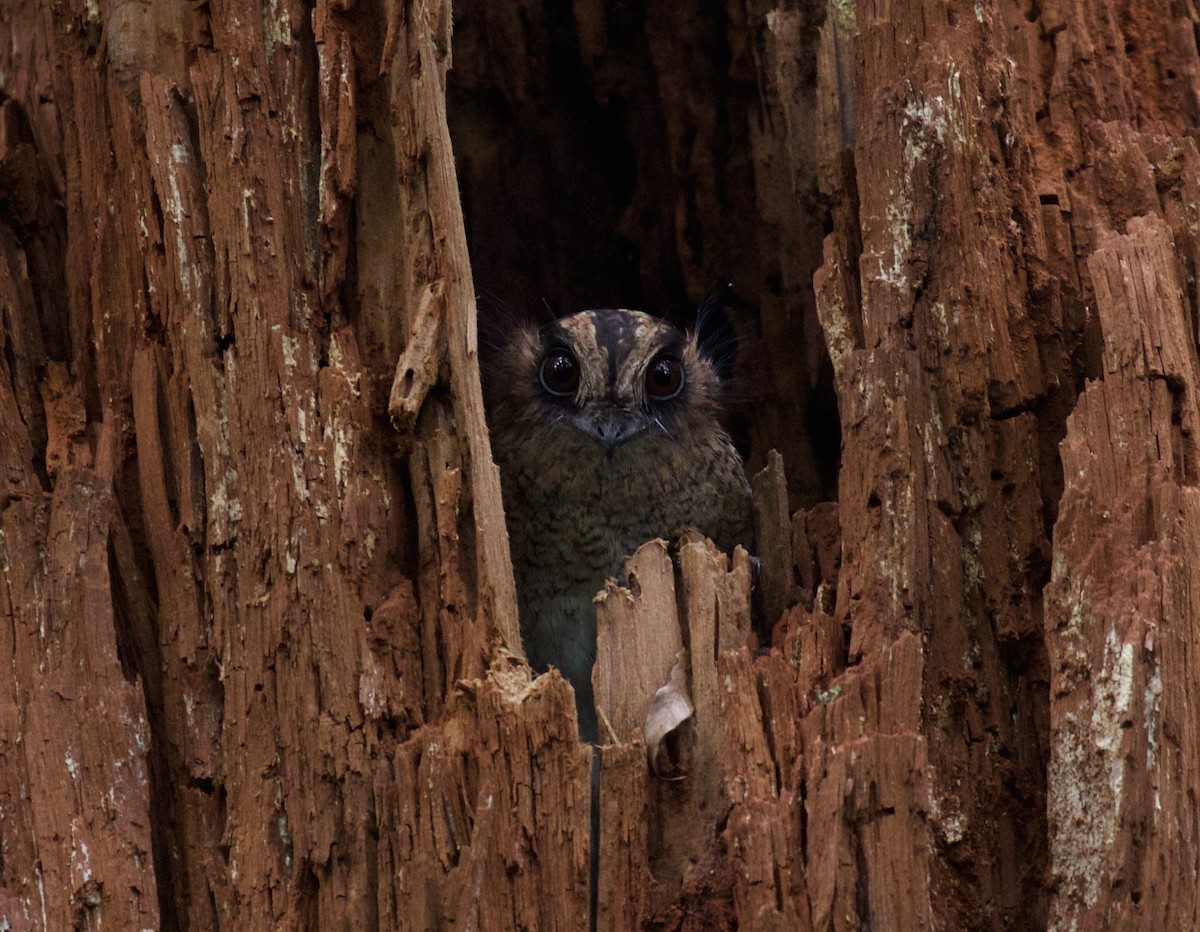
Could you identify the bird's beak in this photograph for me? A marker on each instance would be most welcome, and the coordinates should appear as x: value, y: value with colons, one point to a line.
x: 610, y: 426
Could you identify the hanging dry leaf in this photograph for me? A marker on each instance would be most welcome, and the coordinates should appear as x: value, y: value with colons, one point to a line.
x: 668, y: 711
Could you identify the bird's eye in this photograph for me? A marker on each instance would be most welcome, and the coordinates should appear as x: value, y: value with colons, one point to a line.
x: 664, y: 378
x: 559, y: 373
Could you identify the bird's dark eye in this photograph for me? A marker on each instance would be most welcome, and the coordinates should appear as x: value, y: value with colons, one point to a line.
x: 664, y: 378
x: 559, y: 373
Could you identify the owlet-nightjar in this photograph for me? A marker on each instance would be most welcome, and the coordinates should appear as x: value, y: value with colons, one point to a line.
x: 606, y: 428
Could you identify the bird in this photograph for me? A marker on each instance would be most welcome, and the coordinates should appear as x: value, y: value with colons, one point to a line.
x: 606, y: 426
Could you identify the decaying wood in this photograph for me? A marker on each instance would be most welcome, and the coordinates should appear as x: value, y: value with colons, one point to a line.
x: 485, y: 823
x: 641, y: 633
x: 637, y: 642
x: 74, y: 792
x: 778, y: 567
x: 264, y: 653
x: 1120, y: 612
x: 292, y: 642
x: 418, y: 369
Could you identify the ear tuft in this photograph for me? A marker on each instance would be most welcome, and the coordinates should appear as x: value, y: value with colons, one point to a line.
x: 714, y: 334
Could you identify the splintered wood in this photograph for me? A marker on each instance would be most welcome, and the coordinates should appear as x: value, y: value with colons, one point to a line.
x: 1122, y: 605
x: 720, y: 826
x: 262, y: 656
x: 659, y: 820
x: 74, y: 789
x: 484, y: 823
x: 792, y: 771
x: 636, y: 645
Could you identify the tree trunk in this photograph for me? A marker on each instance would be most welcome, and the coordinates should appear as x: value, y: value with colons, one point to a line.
x: 254, y: 578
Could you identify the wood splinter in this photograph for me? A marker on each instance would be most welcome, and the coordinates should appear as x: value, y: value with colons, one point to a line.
x: 419, y: 364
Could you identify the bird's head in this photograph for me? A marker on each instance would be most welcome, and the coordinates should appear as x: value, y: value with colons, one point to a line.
x: 602, y: 383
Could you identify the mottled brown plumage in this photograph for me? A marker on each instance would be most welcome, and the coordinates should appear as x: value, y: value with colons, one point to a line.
x: 606, y: 428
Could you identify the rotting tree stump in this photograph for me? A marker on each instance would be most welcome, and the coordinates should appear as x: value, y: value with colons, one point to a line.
x: 254, y: 584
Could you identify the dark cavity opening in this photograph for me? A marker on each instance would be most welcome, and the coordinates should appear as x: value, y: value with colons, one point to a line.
x: 616, y: 156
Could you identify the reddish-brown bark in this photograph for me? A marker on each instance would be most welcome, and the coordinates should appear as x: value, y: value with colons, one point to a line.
x: 254, y: 584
